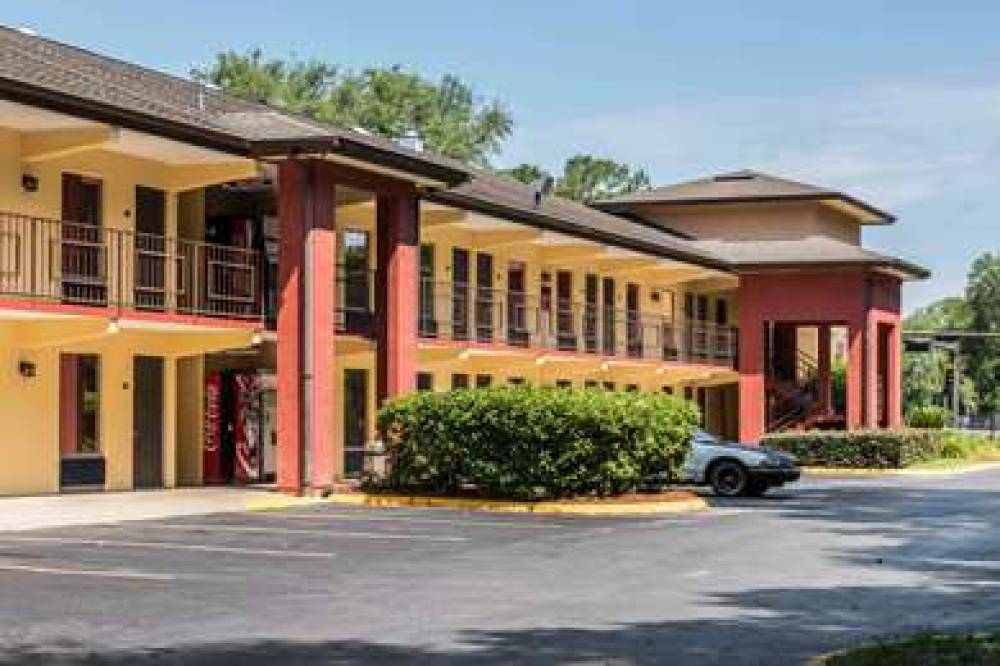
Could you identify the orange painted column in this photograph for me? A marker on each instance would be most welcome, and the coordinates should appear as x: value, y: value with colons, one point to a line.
x: 870, y: 383
x: 305, y: 348
x: 397, y: 292
x: 825, y: 374
x: 751, y: 369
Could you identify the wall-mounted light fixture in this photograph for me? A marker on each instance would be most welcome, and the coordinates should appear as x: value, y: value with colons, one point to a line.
x: 29, y: 182
x: 26, y: 369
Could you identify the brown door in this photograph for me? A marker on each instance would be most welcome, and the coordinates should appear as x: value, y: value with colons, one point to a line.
x: 147, y: 416
x: 84, y: 256
x: 484, y: 297
x: 150, y: 248
x: 590, y: 314
x: 632, y: 319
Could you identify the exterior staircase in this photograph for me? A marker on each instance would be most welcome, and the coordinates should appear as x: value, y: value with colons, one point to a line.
x: 793, y: 398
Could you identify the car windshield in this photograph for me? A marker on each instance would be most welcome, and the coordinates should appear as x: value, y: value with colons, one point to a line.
x: 703, y: 437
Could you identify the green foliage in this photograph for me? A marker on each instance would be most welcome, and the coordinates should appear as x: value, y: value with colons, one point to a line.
x: 947, y: 314
x: 929, y: 416
x: 533, y: 443
x: 445, y: 115
x: 880, y: 449
x: 838, y: 383
x: 983, y: 296
x: 940, y: 649
x: 526, y: 173
x: 587, y: 178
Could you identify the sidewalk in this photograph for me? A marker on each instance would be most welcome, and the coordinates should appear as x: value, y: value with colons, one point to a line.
x: 48, y: 511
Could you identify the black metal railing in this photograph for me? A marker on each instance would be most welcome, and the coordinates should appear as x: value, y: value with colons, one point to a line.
x: 467, y: 313
x: 80, y: 264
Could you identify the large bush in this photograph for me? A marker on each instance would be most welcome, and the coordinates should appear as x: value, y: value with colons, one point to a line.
x: 533, y: 443
x: 860, y: 448
x: 928, y: 416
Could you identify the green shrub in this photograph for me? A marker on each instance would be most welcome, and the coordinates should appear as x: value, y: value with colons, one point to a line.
x: 883, y: 449
x: 928, y: 416
x: 532, y: 443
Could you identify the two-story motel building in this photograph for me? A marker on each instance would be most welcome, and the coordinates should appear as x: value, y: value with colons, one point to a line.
x: 197, y: 289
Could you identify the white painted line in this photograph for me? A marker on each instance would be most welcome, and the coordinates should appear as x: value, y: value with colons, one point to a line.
x: 330, y: 532
x: 415, y: 519
x: 167, y: 545
x: 98, y: 573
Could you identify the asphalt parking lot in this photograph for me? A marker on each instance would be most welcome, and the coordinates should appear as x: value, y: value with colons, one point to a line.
x: 765, y: 581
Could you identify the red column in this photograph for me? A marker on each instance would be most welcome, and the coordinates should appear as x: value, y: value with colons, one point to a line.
x: 825, y: 375
x: 751, y: 367
x: 292, y: 187
x: 855, y: 373
x: 895, y: 379
x: 320, y: 322
x: 305, y: 353
x: 398, y: 293
x: 870, y: 382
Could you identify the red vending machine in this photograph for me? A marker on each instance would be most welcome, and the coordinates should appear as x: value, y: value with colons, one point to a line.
x: 212, y: 446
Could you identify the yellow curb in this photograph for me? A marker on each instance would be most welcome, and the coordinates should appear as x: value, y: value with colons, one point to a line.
x: 918, y: 471
x: 578, y: 508
x: 275, y: 502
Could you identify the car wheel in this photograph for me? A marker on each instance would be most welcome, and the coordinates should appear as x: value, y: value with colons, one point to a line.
x: 729, y: 479
x: 756, y: 488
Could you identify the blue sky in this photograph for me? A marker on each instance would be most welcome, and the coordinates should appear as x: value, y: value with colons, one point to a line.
x: 898, y: 102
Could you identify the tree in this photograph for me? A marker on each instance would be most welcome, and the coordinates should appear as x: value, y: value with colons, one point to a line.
x: 444, y: 116
x: 982, y: 293
x: 947, y: 314
x: 587, y: 178
x: 526, y: 173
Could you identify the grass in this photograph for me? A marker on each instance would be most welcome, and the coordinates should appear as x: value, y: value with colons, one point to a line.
x: 929, y: 649
x: 961, y: 450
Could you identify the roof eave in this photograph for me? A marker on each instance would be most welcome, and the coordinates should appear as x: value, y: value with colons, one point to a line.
x: 905, y: 269
x: 539, y: 219
x: 54, y: 100
x: 618, y: 206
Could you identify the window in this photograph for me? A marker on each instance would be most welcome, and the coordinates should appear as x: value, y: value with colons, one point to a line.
x: 484, y: 381
x: 564, y: 384
x: 632, y: 388
x: 355, y: 296
x: 590, y: 383
x: 459, y: 381
x: 79, y: 404
x: 516, y: 381
x: 428, y: 319
x: 355, y: 421
x: 669, y: 390
x: 609, y: 386
x: 721, y: 312
x: 425, y: 381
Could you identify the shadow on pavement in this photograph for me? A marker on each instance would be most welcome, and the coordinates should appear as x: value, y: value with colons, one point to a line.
x: 946, y: 537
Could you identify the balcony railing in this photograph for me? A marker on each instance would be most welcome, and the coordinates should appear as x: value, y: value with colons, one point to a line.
x: 79, y: 264
x: 471, y: 314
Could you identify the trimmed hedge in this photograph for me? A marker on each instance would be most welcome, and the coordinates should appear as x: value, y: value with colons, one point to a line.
x: 533, y: 443
x: 881, y: 449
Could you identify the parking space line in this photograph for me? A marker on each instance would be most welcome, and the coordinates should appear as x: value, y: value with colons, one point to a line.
x: 167, y: 545
x: 97, y: 573
x: 329, y: 532
x: 409, y: 518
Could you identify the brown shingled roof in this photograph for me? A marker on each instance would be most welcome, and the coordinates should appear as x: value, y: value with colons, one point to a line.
x: 812, y: 252
x: 744, y: 186
x: 498, y: 195
x: 65, y: 78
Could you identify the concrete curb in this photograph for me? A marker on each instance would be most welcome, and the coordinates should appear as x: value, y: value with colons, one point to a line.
x: 687, y: 504
x: 276, y: 502
x: 869, y: 472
